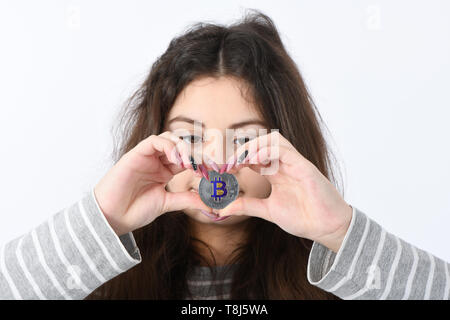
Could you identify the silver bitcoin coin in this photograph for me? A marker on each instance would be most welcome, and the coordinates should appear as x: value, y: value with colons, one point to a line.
x: 219, y: 191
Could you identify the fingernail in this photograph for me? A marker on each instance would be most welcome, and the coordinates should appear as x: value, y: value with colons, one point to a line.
x: 221, y: 218
x: 204, y: 172
x: 209, y: 214
x: 212, y: 164
x: 180, y: 161
x: 242, y: 156
x: 230, y: 164
x: 223, y: 168
x: 194, y: 166
x: 251, y: 155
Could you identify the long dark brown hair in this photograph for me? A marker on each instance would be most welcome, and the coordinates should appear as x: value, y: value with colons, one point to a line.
x: 271, y: 264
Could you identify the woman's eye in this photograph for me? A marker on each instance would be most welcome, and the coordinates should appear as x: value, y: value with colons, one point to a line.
x: 191, y: 139
x: 241, y: 140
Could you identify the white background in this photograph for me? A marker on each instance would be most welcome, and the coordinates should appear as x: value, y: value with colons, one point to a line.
x: 379, y: 72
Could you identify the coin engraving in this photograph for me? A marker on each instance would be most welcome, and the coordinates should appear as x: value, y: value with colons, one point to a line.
x: 219, y: 191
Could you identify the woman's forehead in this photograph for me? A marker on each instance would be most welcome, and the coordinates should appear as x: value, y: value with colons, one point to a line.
x: 216, y: 103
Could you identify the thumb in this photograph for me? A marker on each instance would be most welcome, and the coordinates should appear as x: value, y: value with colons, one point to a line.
x: 248, y: 206
x: 183, y: 200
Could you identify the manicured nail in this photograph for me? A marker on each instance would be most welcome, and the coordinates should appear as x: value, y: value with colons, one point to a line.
x: 221, y: 218
x: 204, y: 172
x: 230, y: 164
x: 180, y: 161
x: 194, y: 166
x: 223, y: 168
x: 251, y: 155
x: 209, y: 214
x: 242, y: 156
x: 212, y: 164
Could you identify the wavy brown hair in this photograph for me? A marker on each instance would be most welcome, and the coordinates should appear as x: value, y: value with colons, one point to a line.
x: 250, y: 50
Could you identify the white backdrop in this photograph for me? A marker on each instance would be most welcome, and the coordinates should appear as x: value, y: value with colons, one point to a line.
x: 379, y: 72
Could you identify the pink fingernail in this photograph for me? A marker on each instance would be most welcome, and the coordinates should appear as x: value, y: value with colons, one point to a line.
x: 213, y: 164
x: 204, y: 172
x: 180, y: 161
x: 223, y: 168
x: 230, y: 164
x: 251, y: 155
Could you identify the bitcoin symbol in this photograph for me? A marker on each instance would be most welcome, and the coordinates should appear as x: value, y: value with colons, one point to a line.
x: 225, y: 191
x: 222, y: 191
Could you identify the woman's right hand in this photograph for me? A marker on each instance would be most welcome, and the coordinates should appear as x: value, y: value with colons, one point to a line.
x: 132, y: 193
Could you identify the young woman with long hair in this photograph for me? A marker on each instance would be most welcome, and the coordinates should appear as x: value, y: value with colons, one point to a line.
x: 144, y: 232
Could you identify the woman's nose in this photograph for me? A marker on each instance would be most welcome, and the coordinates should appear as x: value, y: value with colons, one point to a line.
x: 214, y: 150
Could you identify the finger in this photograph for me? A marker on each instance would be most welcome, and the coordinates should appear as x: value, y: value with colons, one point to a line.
x: 164, y: 148
x: 169, y: 148
x: 248, y: 206
x: 274, y: 139
x: 277, y: 166
x: 181, y: 147
x: 265, y: 156
x: 264, y: 162
x: 185, y: 150
x: 174, y: 168
x: 155, y: 145
x: 183, y: 200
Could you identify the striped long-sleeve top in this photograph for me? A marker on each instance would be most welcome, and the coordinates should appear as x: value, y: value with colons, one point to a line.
x: 75, y: 251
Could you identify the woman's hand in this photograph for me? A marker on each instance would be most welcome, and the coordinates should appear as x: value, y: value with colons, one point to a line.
x: 303, y: 202
x: 132, y: 193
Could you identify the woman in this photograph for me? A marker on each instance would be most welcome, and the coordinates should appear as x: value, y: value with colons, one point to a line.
x: 144, y: 233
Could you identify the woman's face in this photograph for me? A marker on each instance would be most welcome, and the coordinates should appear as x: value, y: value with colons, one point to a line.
x: 219, y: 105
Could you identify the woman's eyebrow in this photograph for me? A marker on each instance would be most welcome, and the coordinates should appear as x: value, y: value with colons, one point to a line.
x: 248, y: 122
x: 233, y: 126
x: 185, y: 119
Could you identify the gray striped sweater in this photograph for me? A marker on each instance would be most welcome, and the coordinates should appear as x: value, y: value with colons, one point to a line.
x: 75, y: 251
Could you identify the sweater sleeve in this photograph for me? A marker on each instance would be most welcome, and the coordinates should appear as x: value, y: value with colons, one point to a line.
x: 375, y: 264
x: 66, y: 257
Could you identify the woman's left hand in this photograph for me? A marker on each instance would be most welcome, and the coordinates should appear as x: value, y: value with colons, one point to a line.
x: 303, y: 202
